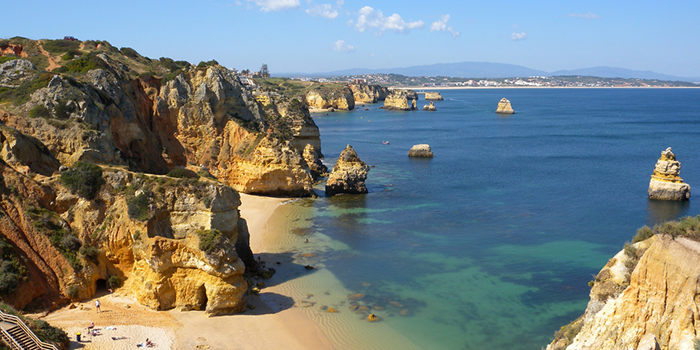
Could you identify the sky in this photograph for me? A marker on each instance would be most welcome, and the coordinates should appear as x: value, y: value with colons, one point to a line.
x: 314, y: 36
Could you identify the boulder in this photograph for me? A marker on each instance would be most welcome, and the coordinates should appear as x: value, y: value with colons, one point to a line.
x: 666, y: 184
x: 348, y: 174
x: 430, y: 107
x: 433, y: 96
x: 504, y: 107
x: 421, y: 150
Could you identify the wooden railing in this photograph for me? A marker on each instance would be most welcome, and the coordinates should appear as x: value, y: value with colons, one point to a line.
x: 18, y: 322
x: 9, y: 340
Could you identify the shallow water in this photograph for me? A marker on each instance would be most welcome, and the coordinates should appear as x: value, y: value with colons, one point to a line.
x: 491, y: 243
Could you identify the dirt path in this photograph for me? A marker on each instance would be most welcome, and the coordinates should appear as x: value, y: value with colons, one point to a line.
x: 52, y: 63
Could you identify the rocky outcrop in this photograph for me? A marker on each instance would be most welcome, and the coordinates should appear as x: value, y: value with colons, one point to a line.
x: 326, y: 98
x: 420, y: 150
x: 657, y: 297
x: 348, y: 174
x: 314, y: 162
x: 201, y: 116
x: 666, y: 184
x: 504, y: 107
x: 433, y: 96
x: 364, y: 93
x: 430, y: 108
x: 14, y: 72
x: 401, y: 100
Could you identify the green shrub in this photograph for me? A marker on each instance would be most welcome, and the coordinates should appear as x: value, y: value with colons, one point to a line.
x: 642, y: 234
x: 49, y: 333
x: 89, y: 252
x: 71, y: 243
x: 83, y: 178
x: 60, y: 46
x: 129, y: 52
x: 183, y: 173
x: 61, y: 111
x: 209, y: 240
x: 114, y: 282
x: 4, y: 59
x: 203, y: 64
x: 84, y: 64
x: 40, y: 111
x: 138, y: 207
x: 72, y: 291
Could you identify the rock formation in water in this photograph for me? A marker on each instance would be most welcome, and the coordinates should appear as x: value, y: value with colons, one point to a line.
x: 348, y: 174
x: 430, y: 108
x: 420, y: 150
x: 337, y: 98
x: 175, y: 243
x: 504, y: 107
x: 433, y: 96
x: 654, y: 300
x: 402, y: 100
x: 364, y: 93
x: 666, y: 184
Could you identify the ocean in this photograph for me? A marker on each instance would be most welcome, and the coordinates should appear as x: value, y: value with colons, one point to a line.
x: 491, y: 243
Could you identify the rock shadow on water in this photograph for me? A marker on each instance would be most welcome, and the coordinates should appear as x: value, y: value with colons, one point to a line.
x: 268, y: 303
x: 659, y: 211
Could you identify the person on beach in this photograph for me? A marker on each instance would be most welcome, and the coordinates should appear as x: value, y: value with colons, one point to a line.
x: 97, y: 305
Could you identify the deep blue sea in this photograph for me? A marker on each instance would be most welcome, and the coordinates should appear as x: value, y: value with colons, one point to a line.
x: 491, y: 243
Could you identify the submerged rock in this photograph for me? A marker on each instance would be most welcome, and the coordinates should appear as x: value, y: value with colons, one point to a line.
x: 665, y: 183
x: 504, y: 107
x: 348, y: 175
x: 372, y: 318
x: 420, y: 150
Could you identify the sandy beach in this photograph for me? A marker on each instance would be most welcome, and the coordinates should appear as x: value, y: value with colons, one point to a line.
x: 274, y: 322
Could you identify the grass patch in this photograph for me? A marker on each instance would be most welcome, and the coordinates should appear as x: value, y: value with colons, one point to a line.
x: 83, y: 64
x: 40, y: 111
x: 209, y: 240
x: 23, y: 93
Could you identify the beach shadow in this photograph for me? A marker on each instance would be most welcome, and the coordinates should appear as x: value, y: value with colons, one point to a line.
x: 76, y: 345
x: 288, y: 266
x: 268, y: 303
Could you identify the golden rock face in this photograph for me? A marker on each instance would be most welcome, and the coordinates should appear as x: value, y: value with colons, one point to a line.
x: 337, y: 99
x: 661, y: 300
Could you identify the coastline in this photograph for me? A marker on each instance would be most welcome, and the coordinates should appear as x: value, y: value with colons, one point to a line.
x: 428, y: 88
x: 274, y: 322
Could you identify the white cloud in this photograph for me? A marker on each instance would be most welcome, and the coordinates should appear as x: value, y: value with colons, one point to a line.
x: 324, y: 10
x: 275, y: 5
x: 588, y: 15
x: 371, y: 18
x: 342, y: 46
x: 518, y: 36
x: 441, y: 26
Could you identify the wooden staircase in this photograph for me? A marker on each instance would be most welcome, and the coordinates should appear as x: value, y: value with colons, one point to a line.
x: 18, y: 336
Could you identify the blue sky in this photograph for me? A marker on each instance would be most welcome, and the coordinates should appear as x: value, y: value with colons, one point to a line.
x: 320, y: 35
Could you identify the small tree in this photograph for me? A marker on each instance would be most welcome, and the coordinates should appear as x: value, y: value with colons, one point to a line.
x: 264, y: 72
x: 84, y: 178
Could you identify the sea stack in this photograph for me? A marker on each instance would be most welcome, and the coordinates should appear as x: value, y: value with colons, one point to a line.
x: 433, y: 96
x: 430, y: 107
x: 504, y: 107
x: 666, y: 184
x: 348, y: 174
x: 421, y: 150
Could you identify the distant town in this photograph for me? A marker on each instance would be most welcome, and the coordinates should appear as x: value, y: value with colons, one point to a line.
x: 397, y: 80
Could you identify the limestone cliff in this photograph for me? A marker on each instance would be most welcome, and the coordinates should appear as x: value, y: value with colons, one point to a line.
x: 504, y: 107
x: 655, y: 300
x: 348, y: 174
x: 336, y: 98
x: 153, y: 122
x: 402, y: 100
x: 665, y: 183
x: 364, y: 93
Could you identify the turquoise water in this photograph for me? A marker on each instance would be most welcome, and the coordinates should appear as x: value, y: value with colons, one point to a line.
x: 491, y: 244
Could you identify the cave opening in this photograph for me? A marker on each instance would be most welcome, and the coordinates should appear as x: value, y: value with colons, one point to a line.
x: 101, y: 287
x: 202, y: 297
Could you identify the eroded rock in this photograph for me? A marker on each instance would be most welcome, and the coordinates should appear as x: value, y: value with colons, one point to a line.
x: 665, y: 183
x: 348, y: 174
